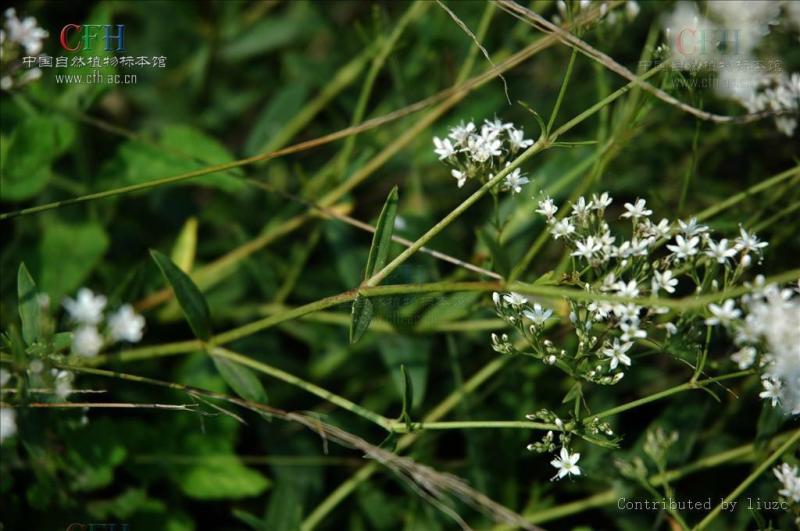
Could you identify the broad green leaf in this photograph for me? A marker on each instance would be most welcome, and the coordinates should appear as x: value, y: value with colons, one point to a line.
x: 192, y: 302
x: 30, y: 312
x: 499, y: 255
x: 217, y: 480
x: 28, y: 154
x: 180, y: 149
x: 185, y: 248
x: 241, y: 379
x: 362, y: 309
x: 67, y: 255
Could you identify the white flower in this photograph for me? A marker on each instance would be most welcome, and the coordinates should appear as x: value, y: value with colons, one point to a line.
x: 514, y: 299
x: 691, y: 228
x: 617, y: 354
x: 788, y: 476
x: 8, y: 423
x: 87, y: 308
x: 63, y: 383
x: 660, y: 230
x: 460, y: 133
x: 460, y: 175
x: 87, y: 341
x: 637, y: 211
x: 547, y: 208
x: 663, y: 281
x: 720, y: 251
x: 601, y: 201
x: 517, y: 140
x: 26, y: 32
x: 562, y: 228
x: 722, y: 314
x: 631, y: 9
x: 581, y: 208
x: 588, y: 248
x: 684, y: 248
x: 772, y: 391
x: 538, y: 315
x: 744, y: 357
x: 749, y: 242
x: 126, y: 325
x: 626, y: 290
x: 5, y: 376
x: 482, y: 148
x: 566, y: 464
x: 514, y: 181
x: 443, y: 148
x: 630, y: 330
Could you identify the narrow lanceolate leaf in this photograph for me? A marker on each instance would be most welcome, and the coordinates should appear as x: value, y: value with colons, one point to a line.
x: 378, y: 256
x: 30, y: 312
x: 408, y: 391
x: 192, y: 302
x: 183, y: 252
x: 241, y: 379
x: 361, y: 317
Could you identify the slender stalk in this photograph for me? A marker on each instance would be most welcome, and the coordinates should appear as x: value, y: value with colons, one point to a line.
x: 562, y: 90
x: 402, y: 427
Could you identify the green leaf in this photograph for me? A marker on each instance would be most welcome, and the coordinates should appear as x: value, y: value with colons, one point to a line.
x: 408, y: 392
x: 67, y: 255
x: 407, y: 358
x: 241, y: 379
x: 28, y: 154
x: 185, y: 248
x: 192, y: 302
x: 499, y: 255
x: 30, y: 312
x: 228, y: 479
x: 362, y: 309
x: 180, y: 149
x: 382, y: 239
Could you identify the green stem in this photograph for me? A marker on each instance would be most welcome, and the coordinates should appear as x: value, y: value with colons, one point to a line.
x: 401, y: 427
x: 562, y: 91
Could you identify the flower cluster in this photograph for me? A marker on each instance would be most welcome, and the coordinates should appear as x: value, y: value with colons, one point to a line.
x: 86, y: 312
x: 767, y: 330
x: 781, y: 95
x: 480, y: 153
x: 789, y: 478
x: 18, y: 35
x: 656, y: 259
x: 610, y: 17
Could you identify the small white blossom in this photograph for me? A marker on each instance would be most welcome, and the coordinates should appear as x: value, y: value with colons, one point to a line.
x: 601, y: 201
x: 587, y: 248
x: 562, y: 228
x: 772, y: 391
x: 581, y: 208
x: 624, y: 289
x: 444, y: 148
x: 720, y: 251
x: 617, y: 354
x: 87, y: 341
x: 87, y: 308
x: 515, y: 299
x: 684, y: 248
x: 790, y: 480
x: 631, y: 330
x: 126, y: 325
x: 517, y: 140
x: 460, y: 176
x: 547, y: 208
x: 691, y: 228
x: 748, y: 242
x: 8, y: 423
x: 663, y: 281
x: 25, y: 32
x: 514, y: 181
x: 538, y: 315
x: 744, y: 357
x: 461, y: 132
x: 566, y: 464
x: 638, y: 210
x: 723, y: 314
